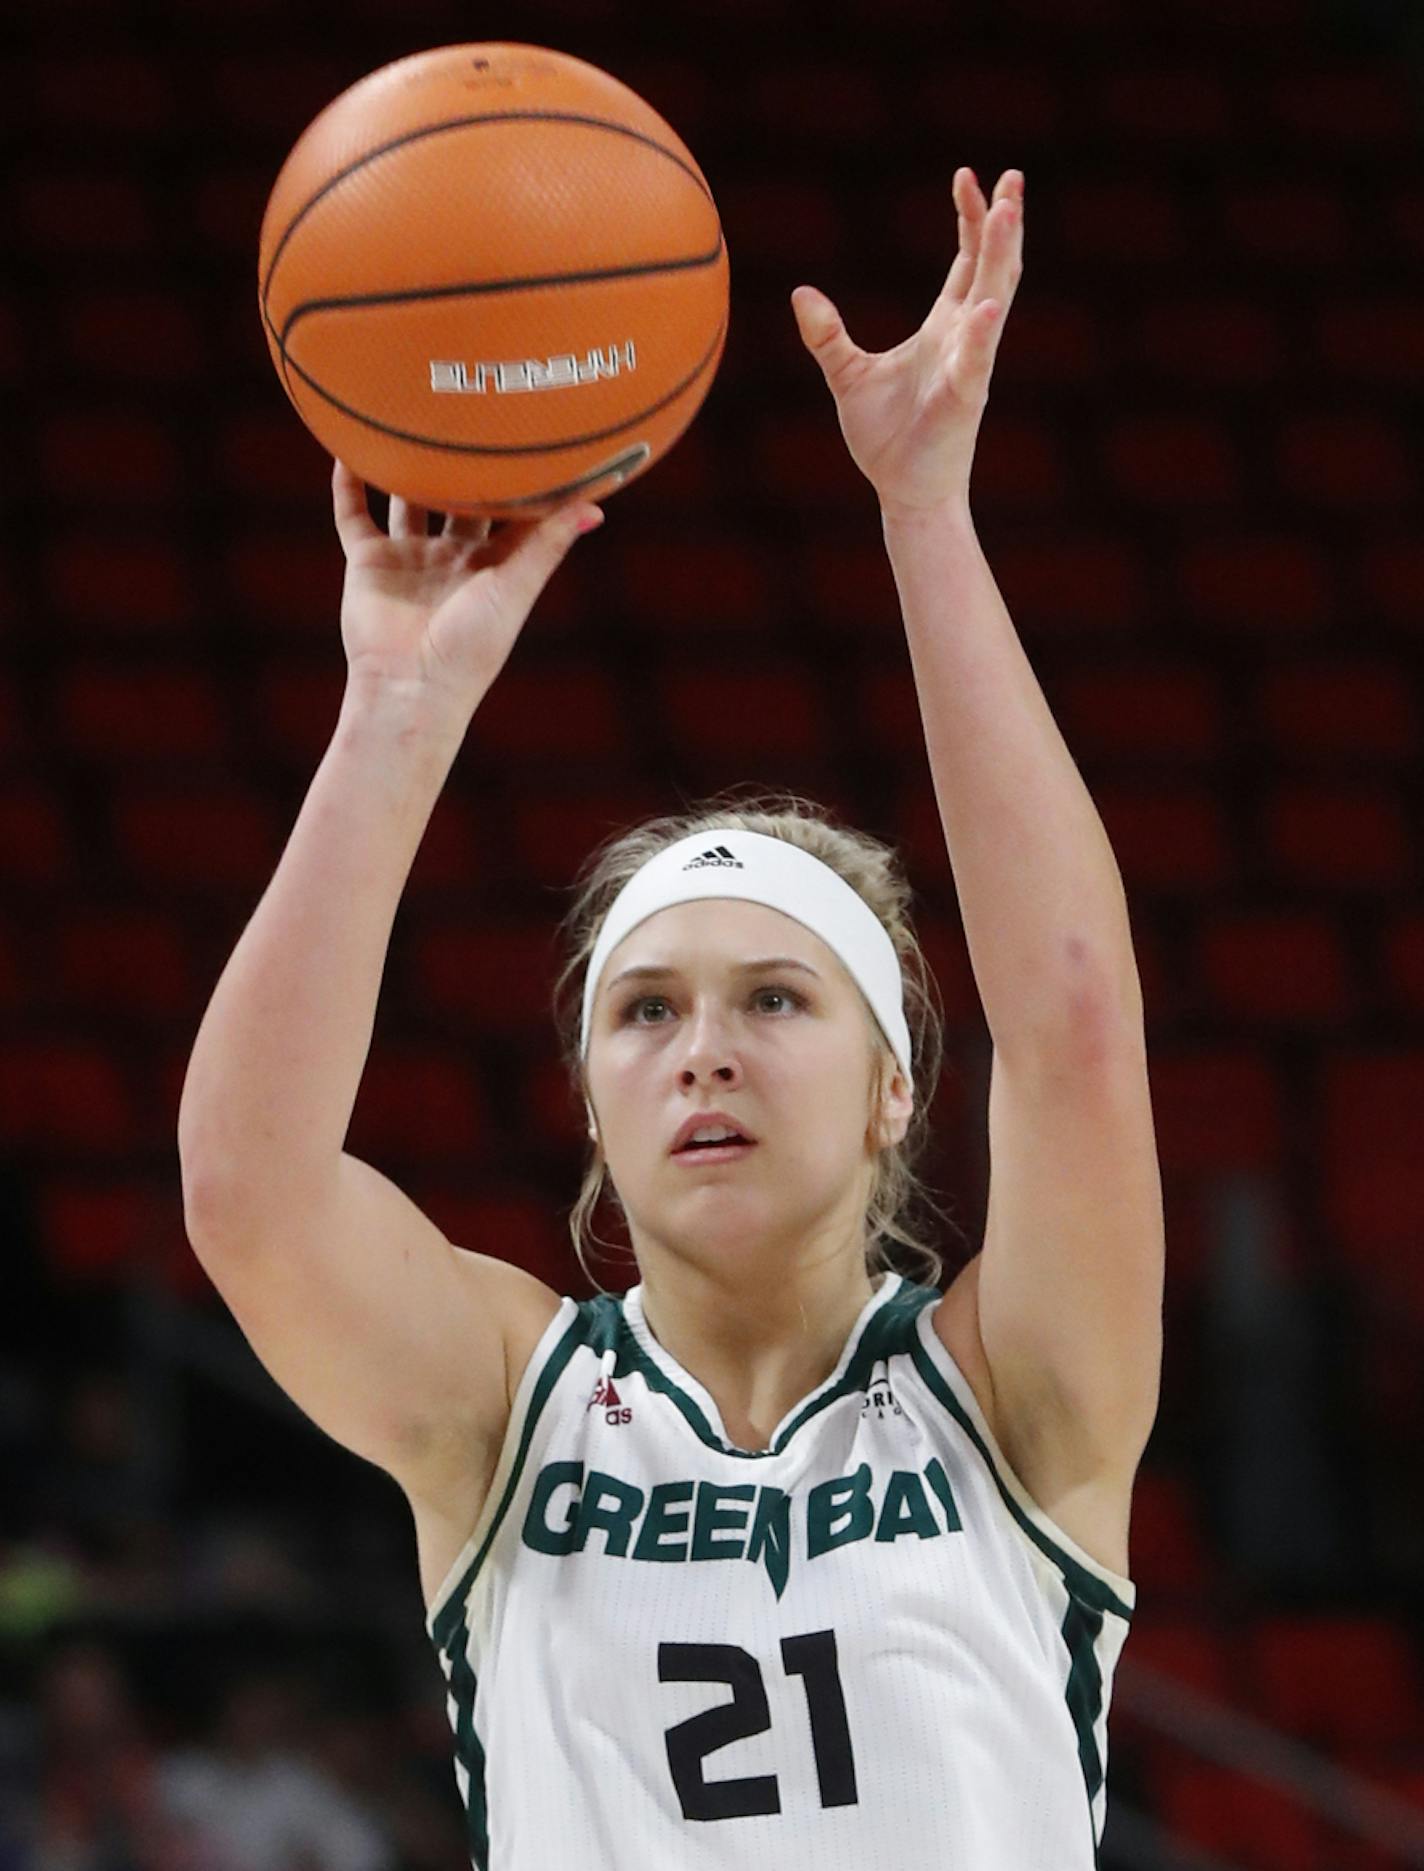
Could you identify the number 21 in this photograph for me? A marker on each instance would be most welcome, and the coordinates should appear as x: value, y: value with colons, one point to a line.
x: 812, y: 1657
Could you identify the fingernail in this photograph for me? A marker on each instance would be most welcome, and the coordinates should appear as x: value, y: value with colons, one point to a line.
x: 591, y: 520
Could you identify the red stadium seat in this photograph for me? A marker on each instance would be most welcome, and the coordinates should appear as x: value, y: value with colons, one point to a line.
x: 1175, y: 836
x: 1228, y: 343
x: 419, y: 1103
x: 97, y: 213
x: 260, y: 455
x: 459, y: 850
x: 1390, y: 570
x: 1355, y: 106
x: 121, y: 963
x: 1190, y: 1651
x: 1401, y: 953
x: 1289, y: 223
x: 135, y: 715
x: 1277, y: 968
x: 1168, y: 712
x: 101, y: 1228
x: 1372, y: 1171
x: 1371, y: 340
x: 764, y: 207
x: 1174, y: 460
x: 1243, y: 1820
x: 820, y: 100
x: 1336, y: 1679
x: 712, y: 588
x: 121, y: 457
x: 131, y: 334
x: 223, y: 207
x: 298, y: 705
x: 545, y: 712
x: 1340, y: 835
x: 65, y: 1095
x: 1255, y: 584
x: 558, y: 824
x: 280, y: 586
x: 1021, y: 462
x: 516, y: 1225
x: 114, y: 583
x: 82, y: 92
x: 214, y: 839
x: 1131, y: 219
x: 981, y: 92
x: 35, y: 843
x: 1079, y: 582
x: 1348, y: 706
x: 1168, y: 1555
x: 1164, y: 105
x: 14, y: 986
x: 765, y: 708
x: 1216, y: 1108
x: 549, y: 1108
x: 490, y: 976
x: 1353, y: 460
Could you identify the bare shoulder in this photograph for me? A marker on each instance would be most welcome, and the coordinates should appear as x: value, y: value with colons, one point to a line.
x: 526, y: 1306
x: 1093, y: 1510
x: 448, y: 1496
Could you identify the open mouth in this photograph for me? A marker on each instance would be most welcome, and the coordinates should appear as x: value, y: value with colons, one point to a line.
x: 726, y: 1152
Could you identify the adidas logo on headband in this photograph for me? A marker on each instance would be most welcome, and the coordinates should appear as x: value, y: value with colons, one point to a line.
x: 719, y: 855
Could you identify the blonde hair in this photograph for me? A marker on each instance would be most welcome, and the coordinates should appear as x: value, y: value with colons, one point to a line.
x: 873, y: 869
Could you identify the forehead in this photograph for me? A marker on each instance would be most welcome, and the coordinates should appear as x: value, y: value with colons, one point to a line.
x: 719, y: 931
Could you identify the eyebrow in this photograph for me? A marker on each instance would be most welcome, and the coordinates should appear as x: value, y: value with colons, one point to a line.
x: 653, y: 971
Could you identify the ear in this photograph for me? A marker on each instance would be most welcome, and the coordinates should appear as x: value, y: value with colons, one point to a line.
x: 592, y: 1121
x: 897, y: 1105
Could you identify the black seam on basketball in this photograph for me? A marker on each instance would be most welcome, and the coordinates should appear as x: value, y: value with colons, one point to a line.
x: 477, y: 287
x: 561, y: 492
x: 463, y: 123
x: 522, y: 448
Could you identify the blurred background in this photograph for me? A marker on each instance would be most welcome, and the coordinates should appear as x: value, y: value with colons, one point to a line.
x: 1198, y: 484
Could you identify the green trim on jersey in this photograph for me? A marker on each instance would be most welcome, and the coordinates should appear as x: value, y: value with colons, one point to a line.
x: 1086, y: 1586
x: 451, y: 1619
x: 1089, y: 1597
x: 889, y: 1330
x: 1084, y: 1692
x: 450, y: 1628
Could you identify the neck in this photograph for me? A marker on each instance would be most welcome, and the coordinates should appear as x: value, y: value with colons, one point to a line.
x: 758, y: 1346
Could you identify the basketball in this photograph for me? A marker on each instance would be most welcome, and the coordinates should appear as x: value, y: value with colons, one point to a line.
x: 492, y: 280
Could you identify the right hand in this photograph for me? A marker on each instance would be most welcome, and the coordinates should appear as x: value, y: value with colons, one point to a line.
x: 440, y: 613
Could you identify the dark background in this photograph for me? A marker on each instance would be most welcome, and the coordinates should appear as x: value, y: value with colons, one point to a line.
x: 1197, y: 483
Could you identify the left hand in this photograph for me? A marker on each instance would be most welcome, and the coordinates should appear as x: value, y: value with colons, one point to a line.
x: 911, y: 416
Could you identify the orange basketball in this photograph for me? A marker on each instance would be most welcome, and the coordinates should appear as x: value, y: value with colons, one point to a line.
x: 493, y: 279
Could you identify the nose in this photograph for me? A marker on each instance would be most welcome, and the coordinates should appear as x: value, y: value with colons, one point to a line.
x: 710, y: 1055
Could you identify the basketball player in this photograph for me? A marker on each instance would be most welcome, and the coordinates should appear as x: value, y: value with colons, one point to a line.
x: 782, y: 1558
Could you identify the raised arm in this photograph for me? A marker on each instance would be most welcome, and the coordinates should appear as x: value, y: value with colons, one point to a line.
x: 386, y: 1334
x: 1070, y: 1285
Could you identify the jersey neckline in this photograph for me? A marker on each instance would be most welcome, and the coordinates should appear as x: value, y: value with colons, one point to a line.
x: 637, y: 1322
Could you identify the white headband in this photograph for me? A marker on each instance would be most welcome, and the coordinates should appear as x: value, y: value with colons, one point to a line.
x: 759, y: 869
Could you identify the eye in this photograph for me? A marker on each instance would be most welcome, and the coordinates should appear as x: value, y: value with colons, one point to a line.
x: 655, y: 1000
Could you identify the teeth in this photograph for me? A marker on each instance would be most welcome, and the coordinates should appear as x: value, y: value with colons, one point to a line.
x: 712, y: 1134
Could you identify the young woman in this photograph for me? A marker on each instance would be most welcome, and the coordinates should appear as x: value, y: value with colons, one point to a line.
x: 781, y: 1556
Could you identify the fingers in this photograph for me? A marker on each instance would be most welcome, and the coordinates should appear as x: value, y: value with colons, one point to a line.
x: 406, y: 520
x: 471, y: 528
x: 990, y: 256
x: 530, y: 551
x: 348, y: 500
x: 353, y: 514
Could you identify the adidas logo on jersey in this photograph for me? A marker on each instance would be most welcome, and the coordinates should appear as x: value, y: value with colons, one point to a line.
x: 718, y: 855
x: 605, y: 1395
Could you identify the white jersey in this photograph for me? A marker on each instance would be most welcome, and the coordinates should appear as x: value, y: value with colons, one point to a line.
x: 860, y: 1649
